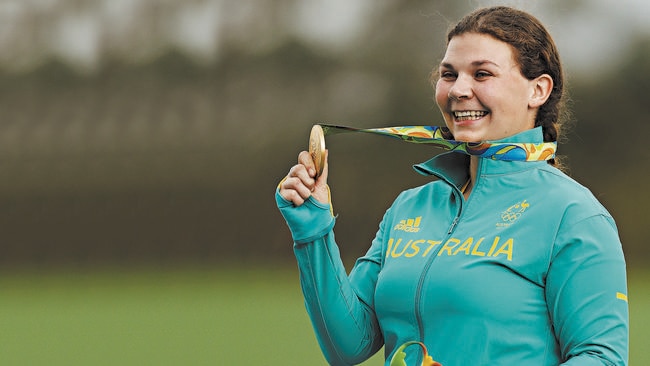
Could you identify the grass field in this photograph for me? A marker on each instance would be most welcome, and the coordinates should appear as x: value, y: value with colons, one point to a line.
x: 184, y: 317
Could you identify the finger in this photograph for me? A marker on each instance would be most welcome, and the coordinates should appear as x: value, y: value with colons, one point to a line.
x: 296, y: 185
x: 300, y: 172
x: 292, y: 196
x: 305, y: 159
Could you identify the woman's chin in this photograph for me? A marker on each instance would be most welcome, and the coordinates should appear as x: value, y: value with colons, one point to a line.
x: 468, y: 137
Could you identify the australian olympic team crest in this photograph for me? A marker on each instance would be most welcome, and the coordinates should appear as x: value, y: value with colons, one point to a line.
x: 513, y: 213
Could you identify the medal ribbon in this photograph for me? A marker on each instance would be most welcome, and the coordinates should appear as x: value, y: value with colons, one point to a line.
x: 399, y: 357
x: 442, y: 137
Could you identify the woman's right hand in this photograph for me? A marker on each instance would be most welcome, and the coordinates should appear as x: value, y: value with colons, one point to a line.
x: 301, y: 182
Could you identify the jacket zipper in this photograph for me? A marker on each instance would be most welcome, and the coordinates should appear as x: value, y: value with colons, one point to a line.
x: 427, y: 266
x: 453, y: 225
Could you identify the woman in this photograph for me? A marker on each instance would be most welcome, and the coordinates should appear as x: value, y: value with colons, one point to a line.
x: 496, y: 262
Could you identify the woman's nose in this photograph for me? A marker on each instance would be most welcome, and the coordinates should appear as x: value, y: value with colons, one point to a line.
x: 461, y: 89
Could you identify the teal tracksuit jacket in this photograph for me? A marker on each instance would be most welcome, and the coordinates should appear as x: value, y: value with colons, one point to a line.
x: 528, y: 271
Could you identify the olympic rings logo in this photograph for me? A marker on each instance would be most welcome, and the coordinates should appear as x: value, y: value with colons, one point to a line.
x: 515, y: 211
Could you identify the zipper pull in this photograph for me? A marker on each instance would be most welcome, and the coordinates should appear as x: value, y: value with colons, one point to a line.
x: 453, y: 225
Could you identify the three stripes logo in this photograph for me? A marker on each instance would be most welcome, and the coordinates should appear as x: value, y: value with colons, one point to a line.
x: 409, y: 225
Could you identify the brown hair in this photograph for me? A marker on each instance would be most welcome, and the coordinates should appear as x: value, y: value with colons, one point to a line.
x: 535, y: 53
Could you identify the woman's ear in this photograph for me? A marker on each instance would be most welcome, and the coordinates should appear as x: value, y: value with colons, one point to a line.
x: 541, y: 88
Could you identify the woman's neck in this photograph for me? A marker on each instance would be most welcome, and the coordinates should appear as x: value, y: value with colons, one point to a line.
x: 473, y: 170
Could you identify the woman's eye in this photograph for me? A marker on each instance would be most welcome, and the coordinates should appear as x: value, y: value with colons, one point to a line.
x: 482, y: 74
x: 447, y: 75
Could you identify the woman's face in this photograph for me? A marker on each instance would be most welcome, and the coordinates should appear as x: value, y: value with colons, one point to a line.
x: 481, y: 92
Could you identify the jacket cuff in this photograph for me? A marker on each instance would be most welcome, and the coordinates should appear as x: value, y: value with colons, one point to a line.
x: 307, y: 222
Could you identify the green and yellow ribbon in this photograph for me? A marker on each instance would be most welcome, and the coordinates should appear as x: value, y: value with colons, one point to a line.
x: 399, y: 357
x: 442, y: 137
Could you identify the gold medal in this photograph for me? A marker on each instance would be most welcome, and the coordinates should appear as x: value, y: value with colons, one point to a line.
x: 317, y: 148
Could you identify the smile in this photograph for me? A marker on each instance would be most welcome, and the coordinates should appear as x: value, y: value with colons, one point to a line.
x: 469, y: 115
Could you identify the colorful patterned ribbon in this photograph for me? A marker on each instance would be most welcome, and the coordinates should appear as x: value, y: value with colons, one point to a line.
x: 399, y: 358
x: 441, y: 136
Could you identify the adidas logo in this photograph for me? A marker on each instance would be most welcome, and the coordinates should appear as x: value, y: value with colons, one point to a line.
x: 409, y: 225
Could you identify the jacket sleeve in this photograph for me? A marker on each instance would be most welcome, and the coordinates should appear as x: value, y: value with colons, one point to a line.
x: 586, y: 291
x: 340, y: 306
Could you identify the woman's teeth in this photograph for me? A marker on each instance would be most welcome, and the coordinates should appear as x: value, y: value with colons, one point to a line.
x: 469, y: 115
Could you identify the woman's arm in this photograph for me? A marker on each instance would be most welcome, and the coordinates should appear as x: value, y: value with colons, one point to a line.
x: 586, y: 290
x: 340, y: 307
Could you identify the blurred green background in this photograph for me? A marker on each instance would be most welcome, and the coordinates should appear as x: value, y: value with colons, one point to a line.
x: 141, y: 142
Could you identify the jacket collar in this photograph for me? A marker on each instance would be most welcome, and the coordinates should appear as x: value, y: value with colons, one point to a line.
x: 453, y: 167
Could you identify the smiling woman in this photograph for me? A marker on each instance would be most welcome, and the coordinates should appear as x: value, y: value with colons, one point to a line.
x: 495, y: 262
x: 481, y: 92
x: 515, y: 57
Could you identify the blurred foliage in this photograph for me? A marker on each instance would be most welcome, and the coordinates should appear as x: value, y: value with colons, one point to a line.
x: 175, y: 160
x: 607, y: 147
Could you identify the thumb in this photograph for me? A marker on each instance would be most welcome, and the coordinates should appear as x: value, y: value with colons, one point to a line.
x: 321, y: 191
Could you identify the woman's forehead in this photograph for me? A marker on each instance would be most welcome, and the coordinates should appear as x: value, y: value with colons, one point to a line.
x: 476, y: 49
